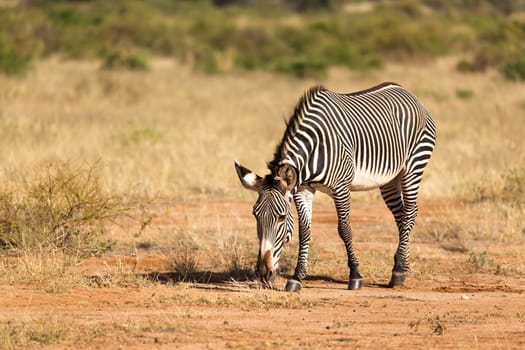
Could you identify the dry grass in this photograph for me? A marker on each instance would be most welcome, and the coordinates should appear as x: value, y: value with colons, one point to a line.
x: 51, y: 272
x: 153, y: 132
x: 63, y: 209
x: 172, y: 134
x: 48, y: 329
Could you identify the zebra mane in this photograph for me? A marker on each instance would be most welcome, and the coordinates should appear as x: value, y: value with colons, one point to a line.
x: 292, y: 125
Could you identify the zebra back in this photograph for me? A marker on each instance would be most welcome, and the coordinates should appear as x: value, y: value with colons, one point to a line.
x: 333, y: 136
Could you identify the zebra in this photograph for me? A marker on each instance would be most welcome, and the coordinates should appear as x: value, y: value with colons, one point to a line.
x: 381, y: 137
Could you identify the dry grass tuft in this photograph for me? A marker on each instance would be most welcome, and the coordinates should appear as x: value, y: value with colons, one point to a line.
x: 184, y: 262
x: 233, y: 252
x: 50, y: 271
x: 62, y: 210
x: 45, y: 331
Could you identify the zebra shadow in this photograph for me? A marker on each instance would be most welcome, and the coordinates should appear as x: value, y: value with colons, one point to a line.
x: 332, y: 280
x: 200, y: 277
x: 208, y: 279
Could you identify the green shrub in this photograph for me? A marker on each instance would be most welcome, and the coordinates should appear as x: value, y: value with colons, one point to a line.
x: 302, y: 67
x: 255, y: 48
x: 500, y: 44
x: 466, y: 66
x: 11, y: 61
x: 464, y: 94
x: 514, y: 70
x: 64, y: 209
x: 264, y: 35
x: 346, y: 55
x: 131, y: 61
x: 68, y: 16
x: 411, y: 39
x: 309, y: 5
x: 215, y: 33
x: 205, y: 60
x: 479, y: 63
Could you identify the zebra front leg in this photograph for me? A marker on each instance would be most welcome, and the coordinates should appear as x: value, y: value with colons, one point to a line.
x: 342, y: 205
x: 303, y: 202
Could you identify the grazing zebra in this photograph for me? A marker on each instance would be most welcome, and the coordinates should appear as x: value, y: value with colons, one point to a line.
x: 381, y: 137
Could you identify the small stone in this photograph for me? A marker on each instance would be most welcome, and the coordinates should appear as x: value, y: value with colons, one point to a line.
x: 465, y: 297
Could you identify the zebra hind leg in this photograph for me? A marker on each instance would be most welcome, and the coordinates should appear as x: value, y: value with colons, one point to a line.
x: 409, y: 189
x: 393, y: 198
x: 408, y: 184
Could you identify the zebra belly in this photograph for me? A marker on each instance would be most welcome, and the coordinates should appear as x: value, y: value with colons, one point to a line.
x: 364, y: 181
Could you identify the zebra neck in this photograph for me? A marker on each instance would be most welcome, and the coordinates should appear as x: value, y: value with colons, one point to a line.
x: 300, y: 143
x: 296, y: 154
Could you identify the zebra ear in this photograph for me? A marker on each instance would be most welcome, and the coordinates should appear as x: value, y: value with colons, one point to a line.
x: 249, y: 179
x: 288, y: 176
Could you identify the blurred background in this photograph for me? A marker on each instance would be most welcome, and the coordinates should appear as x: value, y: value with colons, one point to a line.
x: 163, y: 95
x: 301, y: 38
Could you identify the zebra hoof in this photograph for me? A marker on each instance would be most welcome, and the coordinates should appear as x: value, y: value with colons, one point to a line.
x: 293, y: 285
x: 398, y: 279
x: 355, y: 283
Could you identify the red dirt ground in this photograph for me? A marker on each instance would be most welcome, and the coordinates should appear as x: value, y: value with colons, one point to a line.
x: 444, y: 304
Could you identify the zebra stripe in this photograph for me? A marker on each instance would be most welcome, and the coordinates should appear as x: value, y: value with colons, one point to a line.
x: 381, y: 137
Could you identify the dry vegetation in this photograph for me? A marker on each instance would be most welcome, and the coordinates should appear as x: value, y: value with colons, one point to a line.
x: 168, y: 137
x: 173, y: 134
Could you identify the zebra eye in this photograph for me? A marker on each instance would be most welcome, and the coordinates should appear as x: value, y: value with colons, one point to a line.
x: 282, y: 217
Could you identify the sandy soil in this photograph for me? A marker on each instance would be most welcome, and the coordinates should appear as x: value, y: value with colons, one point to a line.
x: 444, y: 304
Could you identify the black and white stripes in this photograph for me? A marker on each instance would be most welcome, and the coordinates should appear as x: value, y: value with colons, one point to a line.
x: 381, y: 138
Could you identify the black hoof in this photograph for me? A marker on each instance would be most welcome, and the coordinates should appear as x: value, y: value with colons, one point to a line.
x: 355, y: 283
x: 398, y: 278
x: 293, y: 285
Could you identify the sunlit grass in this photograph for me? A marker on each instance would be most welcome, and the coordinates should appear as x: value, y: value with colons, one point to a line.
x: 171, y: 135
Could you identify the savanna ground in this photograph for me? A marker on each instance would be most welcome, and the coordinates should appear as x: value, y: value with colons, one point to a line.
x: 179, y: 274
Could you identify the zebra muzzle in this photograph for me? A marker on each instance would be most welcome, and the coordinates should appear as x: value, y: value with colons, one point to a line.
x: 265, y: 271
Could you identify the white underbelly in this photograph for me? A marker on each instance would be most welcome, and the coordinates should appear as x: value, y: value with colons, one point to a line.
x: 364, y: 181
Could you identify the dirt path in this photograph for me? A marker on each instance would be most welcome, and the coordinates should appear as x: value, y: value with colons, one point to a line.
x: 443, y: 305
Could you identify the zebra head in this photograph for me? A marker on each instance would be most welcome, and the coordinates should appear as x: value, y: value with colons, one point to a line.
x: 275, y: 222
